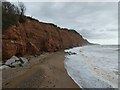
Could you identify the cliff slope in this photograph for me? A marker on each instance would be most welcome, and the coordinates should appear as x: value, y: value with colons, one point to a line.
x: 33, y: 37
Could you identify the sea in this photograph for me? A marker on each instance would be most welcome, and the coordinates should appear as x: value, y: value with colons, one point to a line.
x: 93, y: 66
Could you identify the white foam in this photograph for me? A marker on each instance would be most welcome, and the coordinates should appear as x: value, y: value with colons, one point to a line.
x: 93, y: 66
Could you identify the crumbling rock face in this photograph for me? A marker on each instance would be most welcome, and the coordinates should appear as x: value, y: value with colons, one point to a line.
x: 33, y: 37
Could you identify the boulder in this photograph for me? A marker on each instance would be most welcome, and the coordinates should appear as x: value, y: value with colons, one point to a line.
x: 12, y: 60
x: 15, y: 61
x: 23, y: 60
x: 3, y: 67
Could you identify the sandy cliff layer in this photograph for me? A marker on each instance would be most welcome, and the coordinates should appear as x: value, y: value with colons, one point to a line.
x: 33, y: 37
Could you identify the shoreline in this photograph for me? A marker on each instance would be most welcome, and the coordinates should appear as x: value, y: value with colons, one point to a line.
x: 44, y: 71
x: 74, y: 80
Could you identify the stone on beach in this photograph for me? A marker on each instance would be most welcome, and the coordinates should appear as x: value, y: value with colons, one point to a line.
x: 13, y: 62
x: 23, y: 60
x: 3, y: 67
x: 71, y: 53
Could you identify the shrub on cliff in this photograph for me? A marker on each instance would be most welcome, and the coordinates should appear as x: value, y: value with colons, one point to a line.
x: 22, y: 9
x: 11, y: 14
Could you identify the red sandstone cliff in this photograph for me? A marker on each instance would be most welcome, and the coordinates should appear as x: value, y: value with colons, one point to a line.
x: 33, y: 37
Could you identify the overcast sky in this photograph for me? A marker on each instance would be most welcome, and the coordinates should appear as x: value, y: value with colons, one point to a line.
x: 95, y: 21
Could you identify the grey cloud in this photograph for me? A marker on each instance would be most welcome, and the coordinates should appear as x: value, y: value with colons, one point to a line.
x: 91, y: 19
x: 98, y: 34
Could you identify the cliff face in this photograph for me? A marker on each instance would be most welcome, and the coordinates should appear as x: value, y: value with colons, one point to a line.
x: 33, y: 37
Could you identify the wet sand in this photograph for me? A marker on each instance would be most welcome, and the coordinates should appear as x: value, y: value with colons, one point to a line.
x: 44, y: 71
